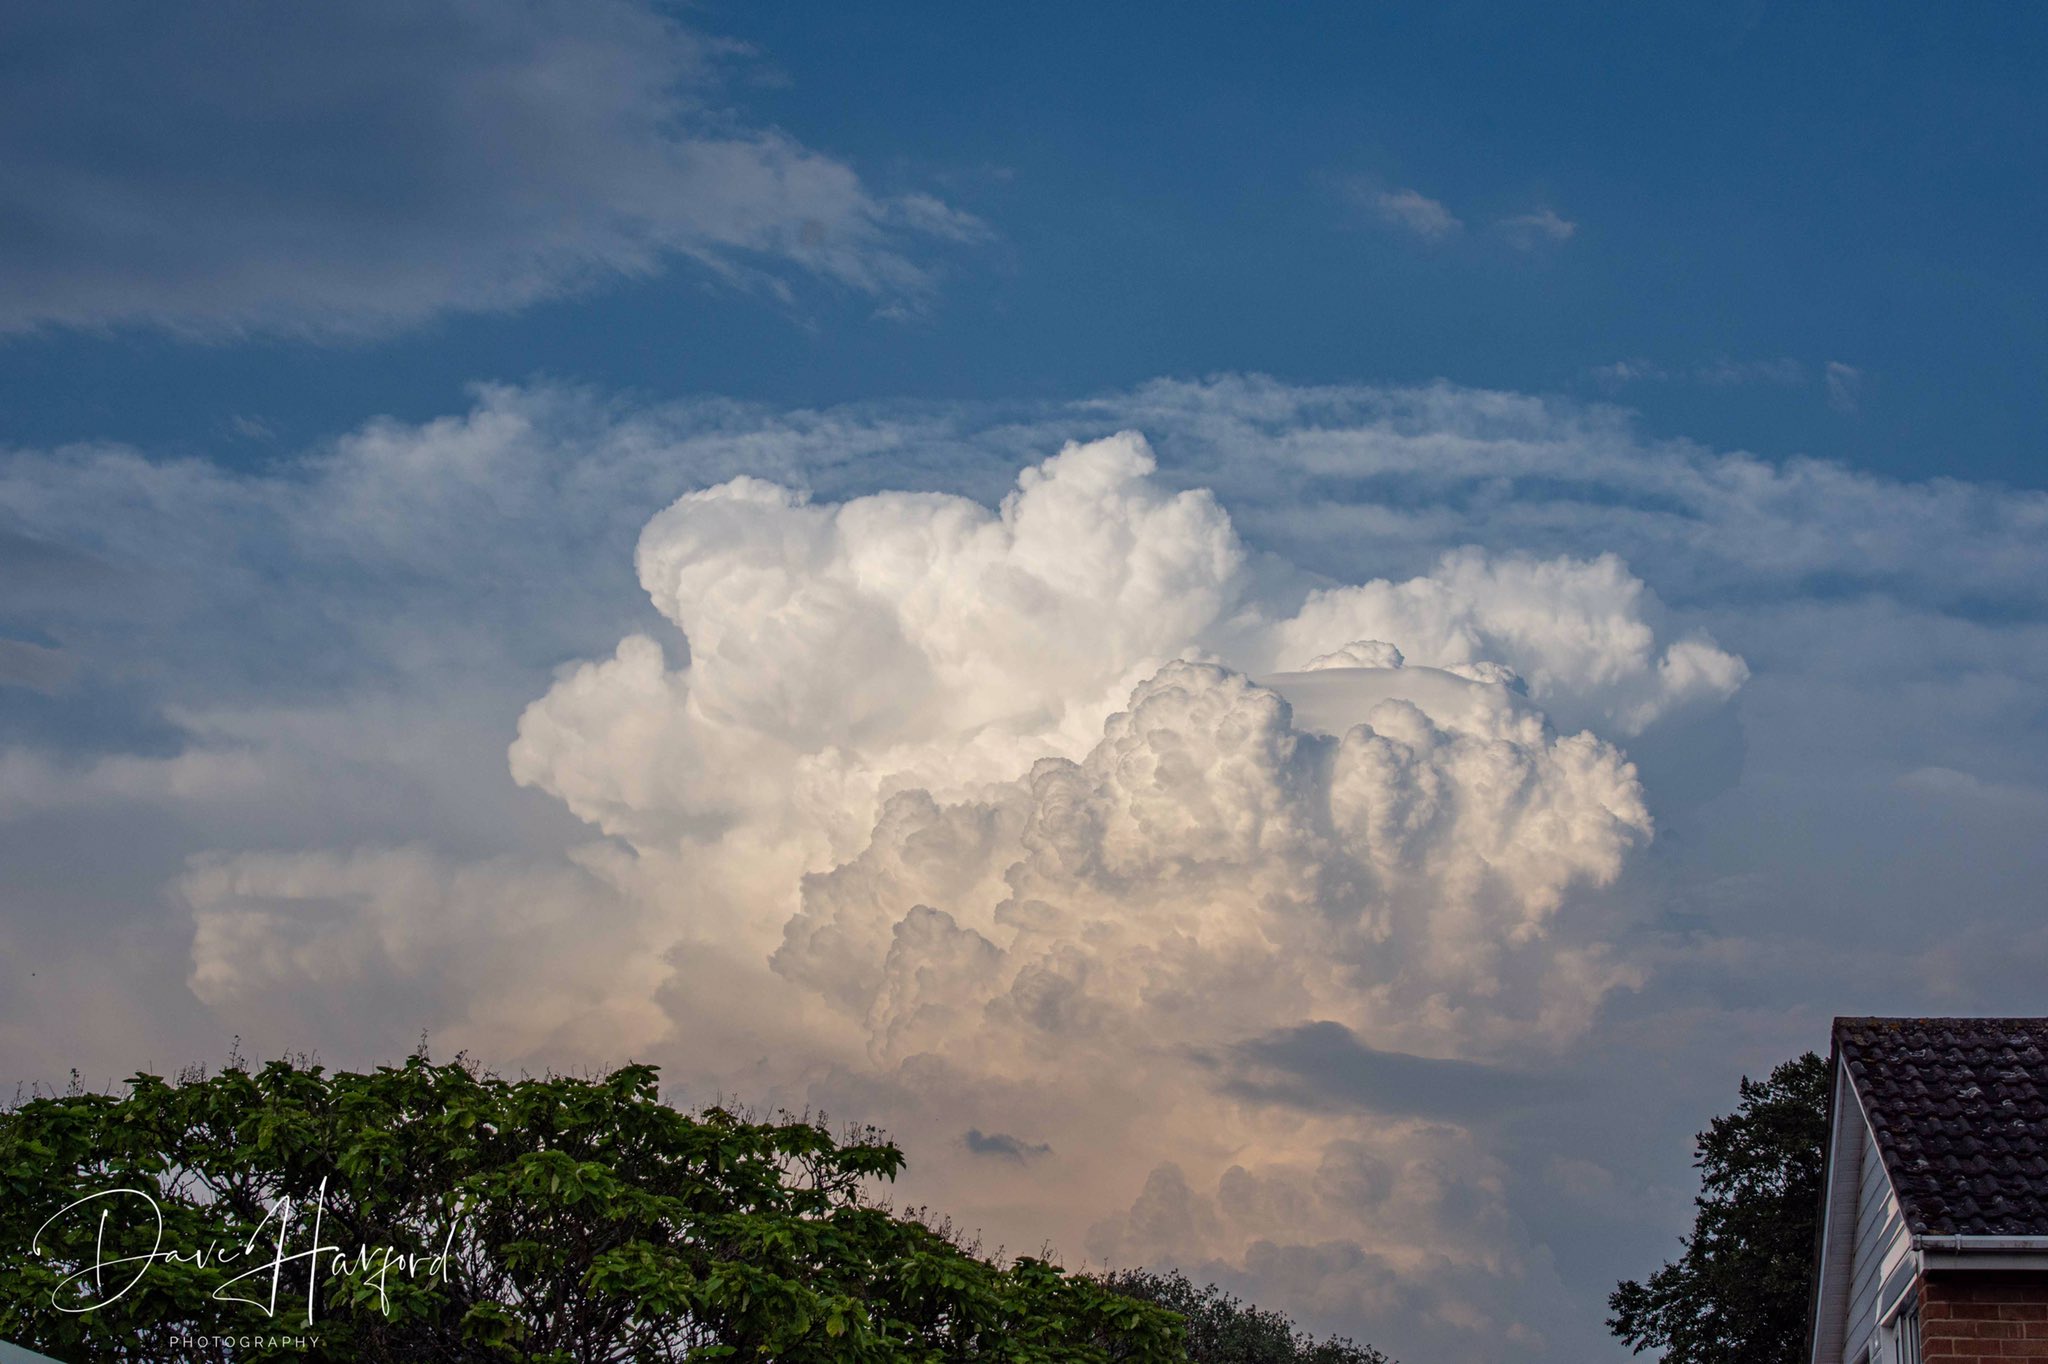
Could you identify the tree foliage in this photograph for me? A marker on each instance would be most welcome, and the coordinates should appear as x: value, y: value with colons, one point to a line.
x: 583, y: 1222
x: 1222, y: 1329
x: 1738, y: 1294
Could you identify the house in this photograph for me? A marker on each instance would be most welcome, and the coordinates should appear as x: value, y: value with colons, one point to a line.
x: 1933, y: 1244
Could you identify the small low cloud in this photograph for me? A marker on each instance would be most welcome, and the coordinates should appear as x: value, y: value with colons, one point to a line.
x: 23, y: 664
x: 1531, y: 231
x: 1845, y: 386
x: 1408, y: 210
x: 1412, y: 211
x: 1003, y: 1146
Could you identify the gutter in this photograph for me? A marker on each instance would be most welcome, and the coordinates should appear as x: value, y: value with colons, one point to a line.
x: 1981, y: 1252
x: 1981, y: 1245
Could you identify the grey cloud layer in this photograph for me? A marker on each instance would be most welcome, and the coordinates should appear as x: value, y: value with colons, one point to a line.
x: 352, y: 169
x: 265, y: 740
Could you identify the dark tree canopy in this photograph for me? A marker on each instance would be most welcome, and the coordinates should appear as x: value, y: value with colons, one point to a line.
x: 1738, y: 1294
x: 1225, y: 1330
x: 561, y: 1220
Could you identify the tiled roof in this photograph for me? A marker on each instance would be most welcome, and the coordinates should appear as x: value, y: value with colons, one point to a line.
x: 1960, y: 1109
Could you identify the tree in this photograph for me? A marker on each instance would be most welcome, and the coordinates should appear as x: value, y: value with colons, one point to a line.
x: 470, y: 1218
x: 1738, y: 1294
x: 1222, y: 1329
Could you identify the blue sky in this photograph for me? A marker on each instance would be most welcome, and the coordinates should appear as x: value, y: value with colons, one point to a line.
x: 1754, y: 194
x: 1284, y: 638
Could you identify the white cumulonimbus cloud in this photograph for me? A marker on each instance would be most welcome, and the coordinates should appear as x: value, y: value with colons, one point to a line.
x: 1041, y: 810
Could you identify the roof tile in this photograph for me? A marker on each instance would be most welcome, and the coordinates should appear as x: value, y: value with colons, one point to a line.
x: 1959, y: 1107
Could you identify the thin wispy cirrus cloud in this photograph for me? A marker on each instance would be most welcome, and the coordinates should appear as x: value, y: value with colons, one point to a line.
x: 1782, y: 371
x: 1839, y: 383
x: 347, y: 171
x: 1256, y: 827
x: 1726, y: 373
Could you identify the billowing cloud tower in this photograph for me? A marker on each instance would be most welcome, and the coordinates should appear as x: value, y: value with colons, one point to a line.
x: 1067, y: 823
x: 1167, y: 902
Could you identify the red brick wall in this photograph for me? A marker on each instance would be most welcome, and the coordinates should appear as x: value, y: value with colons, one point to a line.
x: 1983, y: 1318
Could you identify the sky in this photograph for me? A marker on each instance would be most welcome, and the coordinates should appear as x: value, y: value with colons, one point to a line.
x: 1284, y: 639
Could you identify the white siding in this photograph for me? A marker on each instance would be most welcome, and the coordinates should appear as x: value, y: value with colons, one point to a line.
x: 1864, y: 1242
x: 1880, y: 1243
x: 1838, y: 1235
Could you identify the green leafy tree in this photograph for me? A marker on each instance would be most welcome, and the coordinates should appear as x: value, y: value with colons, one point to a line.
x: 561, y: 1220
x: 1222, y: 1329
x: 1738, y: 1294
